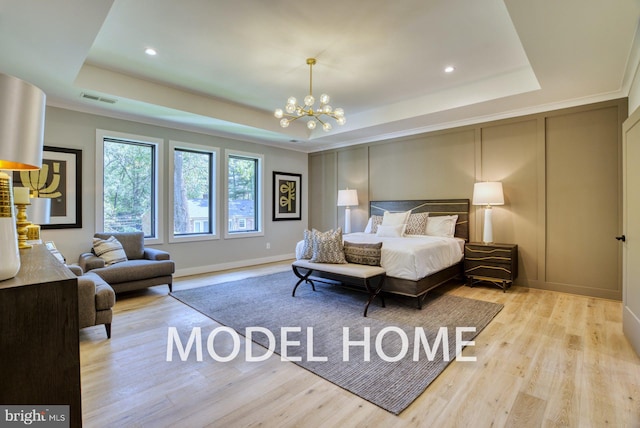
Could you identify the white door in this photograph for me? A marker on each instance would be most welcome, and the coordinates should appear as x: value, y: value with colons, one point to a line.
x: 631, y: 226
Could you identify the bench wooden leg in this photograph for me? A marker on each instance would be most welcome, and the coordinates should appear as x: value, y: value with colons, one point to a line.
x: 374, y: 292
x: 302, y: 277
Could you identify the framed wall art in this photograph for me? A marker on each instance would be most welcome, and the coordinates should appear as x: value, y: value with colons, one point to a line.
x: 60, y: 179
x: 287, y: 196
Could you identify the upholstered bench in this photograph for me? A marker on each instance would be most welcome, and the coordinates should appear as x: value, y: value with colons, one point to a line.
x: 371, y: 277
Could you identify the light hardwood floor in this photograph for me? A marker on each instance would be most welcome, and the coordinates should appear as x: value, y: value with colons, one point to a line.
x: 547, y: 359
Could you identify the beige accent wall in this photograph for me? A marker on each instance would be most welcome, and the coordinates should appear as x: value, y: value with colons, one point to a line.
x: 323, y: 187
x: 583, y: 199
x: 561, y: 176
x: 354, y: 176
x: 509, y: 154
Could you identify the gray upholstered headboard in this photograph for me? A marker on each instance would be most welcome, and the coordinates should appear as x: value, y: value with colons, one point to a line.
x: 434, y: 207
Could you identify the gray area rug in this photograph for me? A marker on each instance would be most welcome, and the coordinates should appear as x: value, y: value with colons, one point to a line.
x: 266, y: 301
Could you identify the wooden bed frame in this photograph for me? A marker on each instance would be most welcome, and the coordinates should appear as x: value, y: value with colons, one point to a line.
x: 435, y: 207
x: 405, y: 287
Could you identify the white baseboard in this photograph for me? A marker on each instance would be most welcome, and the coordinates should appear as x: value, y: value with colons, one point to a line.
x: 631, y: 328
x: 231, y: 265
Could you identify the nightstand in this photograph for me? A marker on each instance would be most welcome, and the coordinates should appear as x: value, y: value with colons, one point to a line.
x: 495, y: 263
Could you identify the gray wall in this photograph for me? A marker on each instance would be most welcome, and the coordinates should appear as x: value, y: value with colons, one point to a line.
x: 561, y: 176
x: 69, y: 129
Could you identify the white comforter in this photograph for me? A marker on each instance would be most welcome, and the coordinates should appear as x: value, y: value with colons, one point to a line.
x: 411, y: 257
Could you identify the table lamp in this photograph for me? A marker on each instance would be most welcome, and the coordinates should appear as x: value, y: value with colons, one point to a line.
x: 38, y: 213
x: 22, y: 108
x: 488, y: 193
x: 347, y: 198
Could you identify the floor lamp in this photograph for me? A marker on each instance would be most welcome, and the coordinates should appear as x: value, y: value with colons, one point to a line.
x: 347, y: 198
x: 488, y: 193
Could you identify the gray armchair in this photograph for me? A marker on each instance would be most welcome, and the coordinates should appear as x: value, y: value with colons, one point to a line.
x: 95, y: 300
x: 144, y: 268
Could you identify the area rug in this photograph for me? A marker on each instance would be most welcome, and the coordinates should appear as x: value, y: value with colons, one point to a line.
x: 376, y: 358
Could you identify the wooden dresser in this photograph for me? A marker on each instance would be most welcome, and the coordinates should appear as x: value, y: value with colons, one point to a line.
x: 495, y: 263
x: 39, y: 341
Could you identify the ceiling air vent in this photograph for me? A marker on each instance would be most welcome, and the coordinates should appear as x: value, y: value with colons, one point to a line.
x: 98, y: 98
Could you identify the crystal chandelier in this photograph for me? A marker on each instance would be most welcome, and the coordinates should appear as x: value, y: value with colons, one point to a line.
x: 295, y: 111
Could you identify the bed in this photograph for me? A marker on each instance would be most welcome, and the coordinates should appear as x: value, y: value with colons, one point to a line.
x: 417, y: 264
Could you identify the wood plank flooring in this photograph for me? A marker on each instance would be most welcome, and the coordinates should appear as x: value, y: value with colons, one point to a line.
x: 547, y: 360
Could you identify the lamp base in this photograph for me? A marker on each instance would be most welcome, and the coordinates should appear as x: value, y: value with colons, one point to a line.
x: 487, y: 234
x: 347, y: 220
x: 9, y: 253
x: 21, y: 224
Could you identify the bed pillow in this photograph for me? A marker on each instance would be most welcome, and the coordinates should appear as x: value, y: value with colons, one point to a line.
x: 327, y: 247
x: 417, y: 224
x: 363, y: 254
x: 307, y: 245
x: 396, y: 231
x: 110, y: 250
x: 444, y: 225
x: 394, y: 219
x: 373, y: 223
x: 367, y: 228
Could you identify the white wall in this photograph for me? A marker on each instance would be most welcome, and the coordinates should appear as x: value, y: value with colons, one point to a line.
x: 69, y: 129
x: 634, y: 90
x: 634, y: 94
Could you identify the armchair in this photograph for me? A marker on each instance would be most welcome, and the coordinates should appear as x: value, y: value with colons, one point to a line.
x: 145, y: 267
x: 95, y: 300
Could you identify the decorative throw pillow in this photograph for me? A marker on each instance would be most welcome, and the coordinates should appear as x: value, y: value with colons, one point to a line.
x: 307, y: 245
x: 394, y: 219
x: 327, y: 247
x: 417, y: 224
x: 110, y: 250
x: 376, y: 220
x: 391, y: 231
x: 444, y: 225
x: 363, y: 254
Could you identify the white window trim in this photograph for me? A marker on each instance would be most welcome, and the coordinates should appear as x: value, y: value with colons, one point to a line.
x: 260, y: 195
x: 101, y: 134
x: 214, y: 197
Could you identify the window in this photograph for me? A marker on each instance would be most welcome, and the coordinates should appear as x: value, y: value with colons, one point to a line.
x: 244, y: 194
x: 193, y: 169
x: 127, y: 191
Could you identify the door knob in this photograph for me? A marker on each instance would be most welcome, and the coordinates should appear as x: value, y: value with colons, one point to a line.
x: 621, y: 238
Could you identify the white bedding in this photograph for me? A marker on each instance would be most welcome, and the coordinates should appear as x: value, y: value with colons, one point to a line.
x: 411, y: 257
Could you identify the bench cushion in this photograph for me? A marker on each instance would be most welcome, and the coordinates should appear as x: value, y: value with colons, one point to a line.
x: 346, y: 269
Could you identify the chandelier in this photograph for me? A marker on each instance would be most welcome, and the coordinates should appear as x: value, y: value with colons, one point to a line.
x: 295, y: 111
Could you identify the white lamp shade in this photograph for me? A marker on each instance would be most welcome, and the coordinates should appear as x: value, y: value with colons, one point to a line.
x: 347, y: 198
x: 488, y: 193
x: 39, y: 212
x: 22, y: 107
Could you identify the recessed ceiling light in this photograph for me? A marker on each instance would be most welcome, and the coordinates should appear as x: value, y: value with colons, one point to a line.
x: 150, y: 51
x: 449, y: 69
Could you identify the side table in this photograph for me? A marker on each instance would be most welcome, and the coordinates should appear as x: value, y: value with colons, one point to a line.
x: 495, y: 263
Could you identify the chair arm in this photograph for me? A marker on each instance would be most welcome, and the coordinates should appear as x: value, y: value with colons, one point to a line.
x: 89, y: 261
x: 155, y: 254
x: 86, y: 291
x: 86, y: 302
x: 77, y: 270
